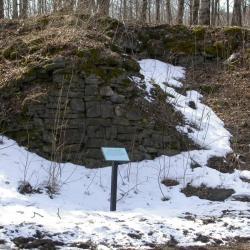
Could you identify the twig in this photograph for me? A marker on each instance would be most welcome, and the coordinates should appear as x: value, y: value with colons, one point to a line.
x: 34, y: 215
x: 58, y: 214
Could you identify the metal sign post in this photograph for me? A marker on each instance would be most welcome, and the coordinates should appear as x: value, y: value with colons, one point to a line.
x: 116, y: 155
x: 113, y: 195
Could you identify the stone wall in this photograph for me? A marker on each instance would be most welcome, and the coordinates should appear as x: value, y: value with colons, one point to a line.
x: 67, y: 108
x: 180, y: 44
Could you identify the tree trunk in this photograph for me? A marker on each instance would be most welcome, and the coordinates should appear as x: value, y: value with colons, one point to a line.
x: 85, y: 6
x: 195, y: 11
x: 15, y: 10
x: 125, y: 10
x: 180, y: 12
x: 190, y: 12
x: 103, y: 7
x: 204, y: 13
x: 24, y: 8
x: 169, y: 12
x: 144, y: 10
x: 213, y: 16
x: 228, y: 13
x: 1, y: 9
x: 237, y: 15
x: 157, y: 6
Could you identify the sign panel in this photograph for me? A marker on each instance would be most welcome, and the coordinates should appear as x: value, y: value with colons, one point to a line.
x: 115, y: 154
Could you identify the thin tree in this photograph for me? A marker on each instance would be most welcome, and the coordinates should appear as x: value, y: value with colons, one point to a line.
x: 204, y: 12
x: 157, y: 6
x: 85, y: 6
x: 169, y: 12
x: 103, y: 7
x: 237, y: 14
x: 24, y: 8
x: 15, y: 10
x: 144, y: 10
x: 180, y: 12
x: 195, y: 11
x: 1, y: 9
x: 228, y: 13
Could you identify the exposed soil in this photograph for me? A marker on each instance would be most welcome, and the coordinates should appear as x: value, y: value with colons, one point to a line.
x: 227, y: 91
x: 203, y: 192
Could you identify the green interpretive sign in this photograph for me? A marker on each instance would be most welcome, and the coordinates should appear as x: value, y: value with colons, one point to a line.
x: 115, y: 154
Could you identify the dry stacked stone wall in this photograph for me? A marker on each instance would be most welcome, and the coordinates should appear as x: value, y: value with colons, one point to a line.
x: 69, y: 107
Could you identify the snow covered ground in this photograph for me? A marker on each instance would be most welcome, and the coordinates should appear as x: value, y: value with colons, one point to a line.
x: 148, y: 211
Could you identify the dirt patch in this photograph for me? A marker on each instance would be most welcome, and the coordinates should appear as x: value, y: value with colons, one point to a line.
x: 203, y: 192
x: 224, y: 164
x: 170, y: 182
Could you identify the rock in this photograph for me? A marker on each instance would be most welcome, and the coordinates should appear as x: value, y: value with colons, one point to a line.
x: 93, y: 80
x: 119, y: 111
x: 136, y: 236
x: 77, y: 105
x: 117, y: 99
x: 133, y: 115
x: 192, y: 105
x: 202, y: 238
x: 241, y: 197
x: 58, y: 63
x: 93, y: 109
x: 91, y: 90
x: 233, y: 58
x: 106, y: 91
x: 107, y: 110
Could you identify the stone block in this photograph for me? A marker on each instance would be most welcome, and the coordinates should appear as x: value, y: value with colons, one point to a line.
x: 93, y: 109
x: 106, y: 91
x: 107, y: 110
x: 117, y: 99
x: 98, y: 121
x: 96, y: 131
x: 133, y: 115
x: 91, y: 90
x: 77, y: 105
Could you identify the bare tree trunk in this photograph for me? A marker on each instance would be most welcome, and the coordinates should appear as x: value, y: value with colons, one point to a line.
x: 125, y: 10
x: 213, y: 16
x: 24, y: 8
x: 144, y: 10
x: 190, y: 12
x: 228, y: 13
x: 130, y: 9
x: 149, y: 11
x: 195, y: 11
x: 69, y: 5
x: 180, y: 12
x: 40, y: 6
x: 103, y: 7
x: 244, y: 11
x: 237, y: 15
x: 1, y: 9
x: 157, y: 6
x: 169, y: 12
x: 217, y: 11
x: 85, y: 6
x: 15, y: 10
x: 204, y: 13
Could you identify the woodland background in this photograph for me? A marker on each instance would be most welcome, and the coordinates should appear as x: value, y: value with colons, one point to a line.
x: 188, y: 12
